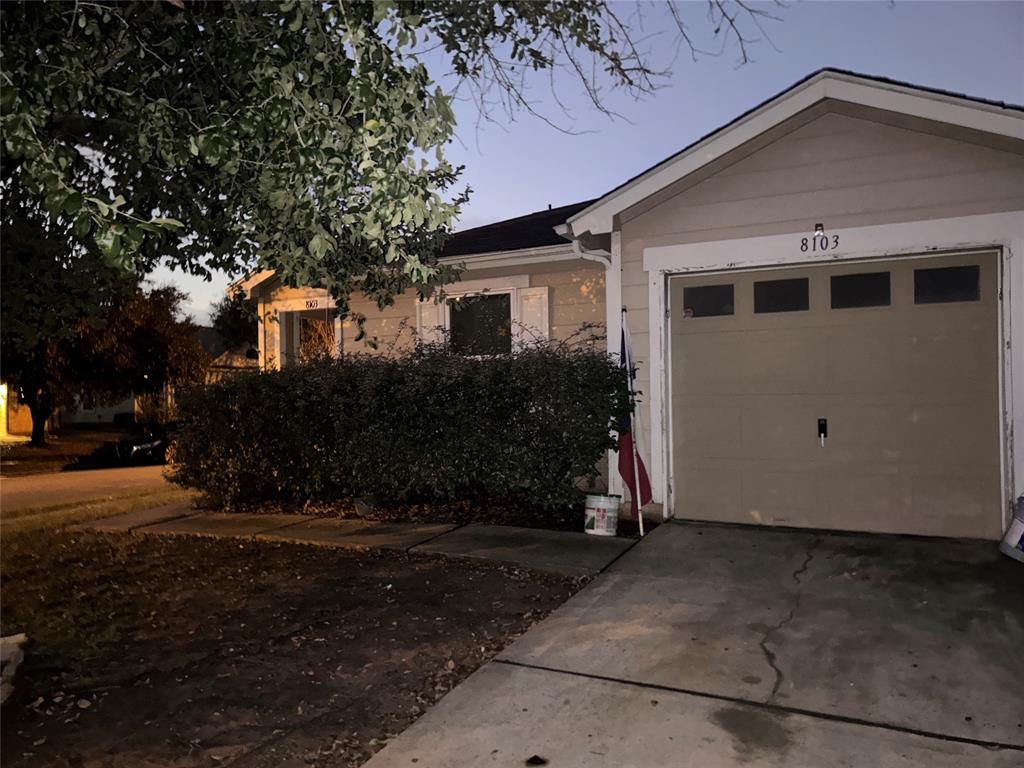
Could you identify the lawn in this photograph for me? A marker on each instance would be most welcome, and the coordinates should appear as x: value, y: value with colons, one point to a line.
x: 188, y: 651
x: 63, y: 449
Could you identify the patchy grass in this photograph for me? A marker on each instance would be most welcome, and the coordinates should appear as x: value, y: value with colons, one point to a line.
x: 187, y: 651
x: 58, y: 515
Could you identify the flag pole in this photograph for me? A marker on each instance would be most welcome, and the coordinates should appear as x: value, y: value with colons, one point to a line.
x: 634, y: 490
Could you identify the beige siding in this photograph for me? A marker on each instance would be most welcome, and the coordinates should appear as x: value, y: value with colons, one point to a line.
x: 392, y: 329
x: 577, y: 298
x: 837, y: 169
x: 284, y: 293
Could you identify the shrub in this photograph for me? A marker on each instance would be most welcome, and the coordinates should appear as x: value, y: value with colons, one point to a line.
x: 429, y: 426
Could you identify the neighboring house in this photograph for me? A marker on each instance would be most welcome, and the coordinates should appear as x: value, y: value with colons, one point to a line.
x: 16, y: 418
x: 821, y: 295
x: 232, y: 363
x: 143, y: 408
x: 118, y: 413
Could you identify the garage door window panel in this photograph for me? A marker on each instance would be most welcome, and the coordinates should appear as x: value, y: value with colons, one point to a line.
x: 942, y: 285
x: 790, y: 295
x: 866, y: 289
x: 709, y: 300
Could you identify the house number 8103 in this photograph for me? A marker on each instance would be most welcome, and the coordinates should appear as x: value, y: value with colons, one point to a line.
x: 819, y: 243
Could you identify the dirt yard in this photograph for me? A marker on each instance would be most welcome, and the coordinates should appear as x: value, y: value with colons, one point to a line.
x: 188, y: 651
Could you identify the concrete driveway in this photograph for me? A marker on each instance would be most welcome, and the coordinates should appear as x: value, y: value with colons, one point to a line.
x: 48, y: 489
x: 727, y: 646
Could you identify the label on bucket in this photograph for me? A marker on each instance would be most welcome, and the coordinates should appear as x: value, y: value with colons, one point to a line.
x: 601, y: 521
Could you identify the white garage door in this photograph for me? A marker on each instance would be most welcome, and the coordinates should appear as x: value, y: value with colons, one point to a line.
x: 893, y: 365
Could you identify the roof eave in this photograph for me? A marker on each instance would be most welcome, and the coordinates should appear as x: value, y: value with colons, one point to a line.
x: 250, y: 283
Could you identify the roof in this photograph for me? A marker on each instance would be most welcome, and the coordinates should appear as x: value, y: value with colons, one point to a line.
x: 533, y: 230
x: 830, y: 82
x: 235, y: 360
x: 210, y: 340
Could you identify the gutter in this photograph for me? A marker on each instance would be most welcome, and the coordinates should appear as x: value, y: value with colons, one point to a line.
x: 612, y: 263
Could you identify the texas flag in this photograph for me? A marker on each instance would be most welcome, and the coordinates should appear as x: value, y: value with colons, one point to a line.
x: 631, y: 465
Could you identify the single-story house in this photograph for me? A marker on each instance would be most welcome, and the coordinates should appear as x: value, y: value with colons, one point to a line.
x: 231, y: 363
x: 821, y: 296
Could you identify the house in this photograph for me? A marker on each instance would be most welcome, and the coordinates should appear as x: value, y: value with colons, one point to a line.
x: 821, y: 295
x: 535, y: 283
x: 16, y: 418
x: 231, y: 363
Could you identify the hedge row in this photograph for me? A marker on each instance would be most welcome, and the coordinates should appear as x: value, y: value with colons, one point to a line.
x: 429, y: 426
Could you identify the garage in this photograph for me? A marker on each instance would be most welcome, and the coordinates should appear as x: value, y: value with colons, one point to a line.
x: 821, y: 298
x: 855, y: 396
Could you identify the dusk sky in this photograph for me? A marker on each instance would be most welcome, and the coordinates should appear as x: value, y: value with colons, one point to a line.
x: 515, y: 168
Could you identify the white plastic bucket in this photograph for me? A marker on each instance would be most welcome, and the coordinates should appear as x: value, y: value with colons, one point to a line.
x: 601, y: 514
x: 1012, y: 544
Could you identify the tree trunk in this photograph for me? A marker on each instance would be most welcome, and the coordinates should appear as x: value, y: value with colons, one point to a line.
x: 40, y: 413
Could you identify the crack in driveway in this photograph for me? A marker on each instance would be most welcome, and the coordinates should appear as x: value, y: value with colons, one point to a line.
x: 770, y: 655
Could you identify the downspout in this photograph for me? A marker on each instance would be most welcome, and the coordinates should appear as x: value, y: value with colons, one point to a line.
x: 612, y: 263
x: 612, y: 282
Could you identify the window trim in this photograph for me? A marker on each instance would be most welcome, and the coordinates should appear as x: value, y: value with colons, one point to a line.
x: 492, y: 286
x: 432, y: 317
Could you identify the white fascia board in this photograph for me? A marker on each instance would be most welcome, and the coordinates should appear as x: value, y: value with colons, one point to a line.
x: 854, y: 243
x: 599, y: 217
x: 490, y: 260
x: 249, y: 283
x: 495, y: 259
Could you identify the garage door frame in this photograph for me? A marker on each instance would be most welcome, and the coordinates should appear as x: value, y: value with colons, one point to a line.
x: 919, y: 239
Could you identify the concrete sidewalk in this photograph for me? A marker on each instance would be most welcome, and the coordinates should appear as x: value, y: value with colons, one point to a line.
x: 715, y: 646
x: 567, y: 553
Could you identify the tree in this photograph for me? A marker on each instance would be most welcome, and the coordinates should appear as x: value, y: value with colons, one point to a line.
x: 134, y: 344
x: 144, y: 344
x: 235, y: 321
x: 305, y: 137
x: 51, y: 291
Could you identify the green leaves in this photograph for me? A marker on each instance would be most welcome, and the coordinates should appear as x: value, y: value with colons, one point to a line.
x: 299, y: 136
x: 518, y: 429
x: 109, y: 242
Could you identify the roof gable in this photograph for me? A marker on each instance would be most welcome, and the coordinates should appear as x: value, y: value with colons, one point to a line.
x: 981, y: 115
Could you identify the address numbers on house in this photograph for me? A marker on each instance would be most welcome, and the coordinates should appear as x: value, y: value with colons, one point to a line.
x: 819, y: 243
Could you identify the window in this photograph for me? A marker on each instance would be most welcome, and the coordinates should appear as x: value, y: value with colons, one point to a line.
x: 708, y: 301
x: 868, y: 289
x: 944, y: 284
x: 781, y: 295
x: 316, y: 338
x: 481, y: 324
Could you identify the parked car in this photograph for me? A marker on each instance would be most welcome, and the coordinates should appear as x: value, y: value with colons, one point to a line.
x: 146, y: 447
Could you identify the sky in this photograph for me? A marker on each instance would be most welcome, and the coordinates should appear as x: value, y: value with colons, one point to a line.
x: 520, y: 166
